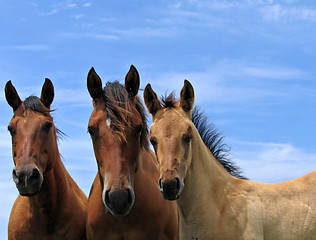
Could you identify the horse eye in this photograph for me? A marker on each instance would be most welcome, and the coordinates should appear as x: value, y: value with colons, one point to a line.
x: 187, y: 137
x: 12, y: 130
x: 91, y: 131
x: 153, y: 142
x: 139, y: 129
x: 47, y: 126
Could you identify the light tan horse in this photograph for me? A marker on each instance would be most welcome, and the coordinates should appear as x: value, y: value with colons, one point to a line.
x: 212, y: 203
x: 124, y: 201
x: 50, y: 204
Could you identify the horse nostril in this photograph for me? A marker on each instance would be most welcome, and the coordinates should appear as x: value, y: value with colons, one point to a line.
x: 160, y: 183
x: 15, y: 176
x: 129, y: 197
x: 177, y: 183
x: 35, y: 174
x: 106, y: 197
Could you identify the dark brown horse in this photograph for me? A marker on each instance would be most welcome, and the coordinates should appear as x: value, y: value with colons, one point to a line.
x: 50, y: 204
x: 125, y: 202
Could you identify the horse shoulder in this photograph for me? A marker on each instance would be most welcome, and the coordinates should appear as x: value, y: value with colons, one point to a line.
x: 19, y: 219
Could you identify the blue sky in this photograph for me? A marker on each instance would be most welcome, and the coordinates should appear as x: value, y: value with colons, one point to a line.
x: 251, y: 63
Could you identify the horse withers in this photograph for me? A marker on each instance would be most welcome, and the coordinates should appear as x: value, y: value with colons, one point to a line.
x: 213, y: 199
x: 125, y: 202
x: 50, y: 205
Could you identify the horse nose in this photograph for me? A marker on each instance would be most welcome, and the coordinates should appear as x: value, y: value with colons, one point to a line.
x: 25, y: 175
x: 28, y: 179
x: 170, y: 188
x: 120, y: 201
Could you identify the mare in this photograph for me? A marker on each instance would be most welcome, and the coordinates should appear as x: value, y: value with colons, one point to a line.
x: 214, y: 201
x: 125, y: 202
x: 50, y: 204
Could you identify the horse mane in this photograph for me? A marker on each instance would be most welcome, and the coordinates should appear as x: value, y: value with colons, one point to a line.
x: 169, y: 101
x: 211, y: 137
x: 33, y: 103
x: 118, y: 110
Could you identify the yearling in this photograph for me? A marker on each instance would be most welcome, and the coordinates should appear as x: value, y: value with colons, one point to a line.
x: 212, y: 203
x: 50, y: 204
x: 125, y: 202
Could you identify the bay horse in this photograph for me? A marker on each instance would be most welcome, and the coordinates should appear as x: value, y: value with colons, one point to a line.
x: 125, y: 202
x: 50, y: 205
x: 214, y: 201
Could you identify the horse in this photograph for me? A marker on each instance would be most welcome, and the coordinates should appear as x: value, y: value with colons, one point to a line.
x: 50, y: 205
x: 214, y: 200
x: 125, y: 202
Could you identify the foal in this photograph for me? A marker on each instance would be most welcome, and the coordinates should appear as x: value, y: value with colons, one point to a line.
x: 125, y: 202
x: 50, y: 204
x: 212, y: 203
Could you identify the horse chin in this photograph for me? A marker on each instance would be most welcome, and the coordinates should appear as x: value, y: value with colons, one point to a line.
x: 170, y: 197
x: 118, y: 214
x: 28, y: 192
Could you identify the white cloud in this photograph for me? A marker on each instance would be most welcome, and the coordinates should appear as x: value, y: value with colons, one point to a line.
x: 51, y: 12
x: 78, y: 16
x: 32, y: 47
x: 146, y: 32
x: 96, y: 36
x: 88, y: 4
x: 272, y: 162
x: 280, y: 12
x: 272, y: 72
x: 71, y: 5
x: 229, y: 81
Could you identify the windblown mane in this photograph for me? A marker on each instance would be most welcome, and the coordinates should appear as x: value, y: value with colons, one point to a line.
x: 210, y: 136
x: 118, y: 110
x: 33, y: 103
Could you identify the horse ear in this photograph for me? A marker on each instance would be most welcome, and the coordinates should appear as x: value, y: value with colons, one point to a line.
x: 94, y: 84
x: 47, y: 95
x: 151, y: 100
x: 187, y: 96
x: 132, y: 81
x: 12, y: 96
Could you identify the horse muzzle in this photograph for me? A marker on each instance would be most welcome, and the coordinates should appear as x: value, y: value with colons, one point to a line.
x: 28, y: 179
x: 119, y: 202
x: 171, y: 188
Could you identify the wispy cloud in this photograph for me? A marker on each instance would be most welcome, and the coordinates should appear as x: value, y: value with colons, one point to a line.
x: 78, y: 96
x: 78, y: 16
x: 32, y: 47
x: 96, y: 36
x: 278, y: 12
x: 145, y: 32
x: 88, y: 4
x: 272, y: 72
x: 275, y: 162
x: 231, y: 81
x: 49, y: 13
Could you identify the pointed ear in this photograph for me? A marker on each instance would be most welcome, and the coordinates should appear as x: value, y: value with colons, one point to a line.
x: 94, y: 84
x: 187, y: 96
x: 132, y: 81
x: 151, y: 100
x: 47, y: 95
x: 12, y: 96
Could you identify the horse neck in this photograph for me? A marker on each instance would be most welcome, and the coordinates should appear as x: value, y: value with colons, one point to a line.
x: 206, y: 179
x: 54, y: 190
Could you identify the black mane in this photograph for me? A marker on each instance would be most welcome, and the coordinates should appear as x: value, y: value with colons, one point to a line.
x: 117, y: 108
x: 213, y: 139
x: 210, y: 136
x: 33, y: 103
